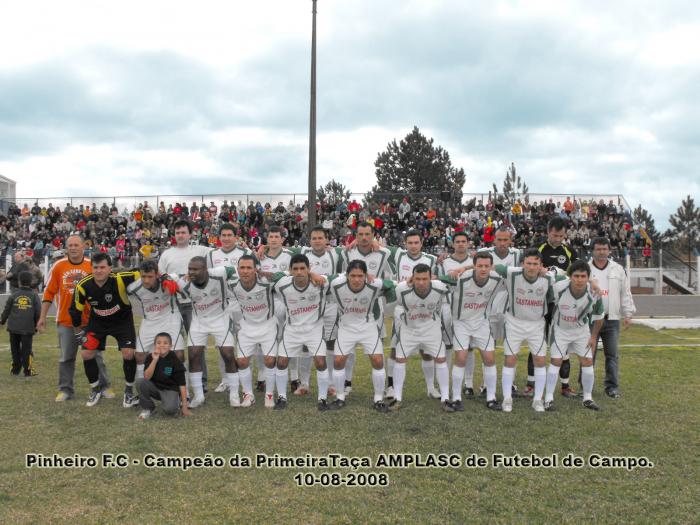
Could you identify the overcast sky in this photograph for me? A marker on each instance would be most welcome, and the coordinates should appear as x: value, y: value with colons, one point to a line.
x: 141, y: 98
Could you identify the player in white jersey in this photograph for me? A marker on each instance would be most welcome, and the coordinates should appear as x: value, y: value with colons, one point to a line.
x: 259, y: 328
x: 160, y: 313
x: 209, y: 292
x: 365, y: 248
x: 359, y: 309
x: 576, y: 306
x: 420, y: 328
x: 472, y: 297
x: 402, y: 262
x: 458, y: 258
x: 304, y: 303
x: 231, y: 250
x: 529, y: 289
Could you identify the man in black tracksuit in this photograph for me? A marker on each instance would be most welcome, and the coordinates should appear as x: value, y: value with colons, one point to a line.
x: 21, y: 314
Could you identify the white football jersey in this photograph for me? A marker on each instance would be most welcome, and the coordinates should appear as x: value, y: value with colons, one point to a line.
x: 527, y: 301
x: 219, y: 257
x: 157, y: 305
x: 377, y: 261
x: 421, y: 312
x: 280, y: 263
x: 450, y: 264
x: 304, y: 306
x: 402, y: 263
x: 472, y: 301
x: 512, y: 258
x: 212, y: 299
x: 572, y: 313
x: 357, y: 308
x: 257, y: 304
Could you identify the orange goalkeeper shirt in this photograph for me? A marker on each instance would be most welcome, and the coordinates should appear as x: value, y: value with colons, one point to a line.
x: 63, y: 277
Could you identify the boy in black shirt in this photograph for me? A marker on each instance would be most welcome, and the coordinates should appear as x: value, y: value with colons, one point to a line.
x: 21, y: 314
x: 164, y: 379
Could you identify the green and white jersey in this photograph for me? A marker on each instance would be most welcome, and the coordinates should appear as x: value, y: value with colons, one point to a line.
x: 377, y: 261
x: 451, y: 263
x: 219, y: 257
x: 402, y: 263
x: 257, y: 304
x: 527, y: 300
x: 328, y: 263
x: 304, y: 306
x: 358, y: 308
x: 471, y: 300
x: 512, y: 258
x: 279, y: 263
x: 157, y: 305
x: 422, y: 312
x: 211, y: 299
x: 574, y: 313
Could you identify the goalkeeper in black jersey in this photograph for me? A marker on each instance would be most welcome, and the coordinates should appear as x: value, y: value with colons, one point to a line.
x: 104, y: 293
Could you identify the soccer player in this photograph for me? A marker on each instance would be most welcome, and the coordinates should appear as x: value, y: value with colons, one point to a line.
x: 228, y: 255
x: 575, y: 308
x: 555, y: 253
x: 420, y: 328
x: 359, y: 310
x: 618, y: 304
x: 65, y: 274
x: 529, y: 288
x: 472, y: 297
x: 110, y: 315
x: 259, y: 329
x: 209, y: 293
x: 304, y: 303
x: 160, y: 313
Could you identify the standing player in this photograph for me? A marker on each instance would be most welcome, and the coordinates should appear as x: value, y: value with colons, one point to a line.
x: 208, y: 291
x: 555, y: 254
x: 304, y: 303
x: 472, y: 299
x: 228, y: 255
x: 420, y: 328
x: 110, y: 314
x: 65, y: 274
x: 160, y: 313
x: 575, y: 307
x: 359, y: 309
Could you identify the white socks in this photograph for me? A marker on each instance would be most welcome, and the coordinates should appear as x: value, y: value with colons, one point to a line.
x: 139, y: 371
x: 378, y: 377
x: 490, y: 379
x: 232, y: 380
x: 390, y: 367
x: 196, y: 382
x: 540, y: 380
x: 305, y: 370
x: 429, y: 374
x: 587, y: 382
x: 349, y: 366
x: 246, y: 379
x: 293, y: 368
x: 399, y: 378
x: 507, y: 377
x: 552, y: 378
x: 469, y: 370
x: 339, y: 381
x: 457, y: 378
x: 443, y: 377
x: 262, y: 375
x: 270, y: 381
x: 281, y: 380
x: 322, y: 381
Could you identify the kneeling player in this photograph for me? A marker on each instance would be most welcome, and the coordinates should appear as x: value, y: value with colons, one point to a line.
x: 420, y: 328
x: 360, y: 310
x: 575, y: 307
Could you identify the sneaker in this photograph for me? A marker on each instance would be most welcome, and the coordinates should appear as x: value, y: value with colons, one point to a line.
x: 281, y: 403
x: 234, y: 399
x: 447, y: 407
x: 433, y: 393
x: 348, y: 387
x: 468, y: 392
x: 108, y: 393
x: 515, y: 392
x: 248, y: 401
x: 61, y: 397
x: 323, y: 405
x: 294, y: 385
x: 615, y: 394
x: 395, y: 405
x: 458, y: 405
x: 381, y: 407
x: 221, y: 387
x: 260, y: 387
x: 495, y: 405
x: 331, y: 390
x: 389, y: 393
x: 269, y: 401
x: 338, y: 404
x: 590, y: 404
x: 549, y: 406
x: 130, y: 400
x: 93, y: 398
x: 529, y: 391
x: 538, y: 405
x: 145, y: 414
x: 197, y: 402
x: 301, y: 390
x: 507, y: 405
x: 567, y: 391
x: 482, y: 391
x: 31, y: 372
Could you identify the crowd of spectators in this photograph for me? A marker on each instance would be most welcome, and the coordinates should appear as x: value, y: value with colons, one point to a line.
x: 146, y: 229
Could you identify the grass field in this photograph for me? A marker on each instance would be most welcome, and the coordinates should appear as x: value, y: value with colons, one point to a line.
x: 657, y: 417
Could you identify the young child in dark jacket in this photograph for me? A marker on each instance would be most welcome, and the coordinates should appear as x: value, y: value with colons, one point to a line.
x: 21, y: 314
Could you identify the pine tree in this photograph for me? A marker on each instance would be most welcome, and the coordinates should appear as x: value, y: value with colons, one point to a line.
x: 514, y: 188
x: 332, y: 193
x: 644, y: 219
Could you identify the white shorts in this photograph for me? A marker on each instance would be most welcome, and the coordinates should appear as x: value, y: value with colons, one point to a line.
x: 428, y: 339
x: 366, y: 334
x: 330, y: 322
x: 447, y: 331
x: 254, y: 338
x: 518, y: 332
x: 148, y: 331
x: 565, y: 342
x: 221, y: 328
x: 472, y: 334
x: 295, y: 338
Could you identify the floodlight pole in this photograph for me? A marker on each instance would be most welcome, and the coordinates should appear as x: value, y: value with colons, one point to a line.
x: 311, y: 209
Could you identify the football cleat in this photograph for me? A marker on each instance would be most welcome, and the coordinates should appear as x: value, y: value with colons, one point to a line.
x: 494, y: 405
x: 549, y: 406
x: 458, y: 405
x: 507, y: 405
x: 281, y: 403
x: 538, y: 405
x: 567, y: 391
x: 197, y: 402
x: 294, y: 385
x: 130, y: 400
x: 395, y: 405
x: 468, y: 392
x: 482, y: 391
x: 93, y: 398
x: 248, y: 401
x: 61, y: 397
x: 145, y: 414
x: 338, y: 404
x: 269, y: 401
x: 348, y: 387
x: 615, y: 394
x: 323, y: 405
x: 389, y: 392
x: 590, y: 404
x: 301, y: 390
x: 221, y: 387
x: 447, y: 407
x: 381, y: 407
x: 433, y: 393
x: 234, y: 399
